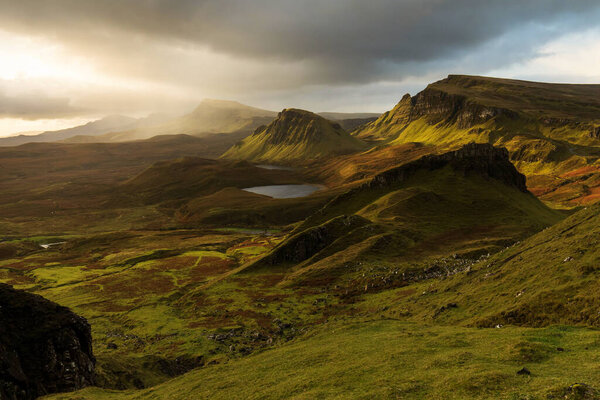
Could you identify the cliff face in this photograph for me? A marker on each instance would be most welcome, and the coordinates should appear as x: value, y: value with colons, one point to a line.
x: 482, y: 159
x: 44, y: 348
x: 439, y: 106
x: 435, y: 106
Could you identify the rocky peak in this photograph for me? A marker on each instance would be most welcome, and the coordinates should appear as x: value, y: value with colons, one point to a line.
x: 482, y: 159
x: 44, y: 348
x: 294, y: 126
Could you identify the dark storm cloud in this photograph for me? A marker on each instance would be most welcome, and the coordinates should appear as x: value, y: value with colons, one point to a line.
x: 336, y: 41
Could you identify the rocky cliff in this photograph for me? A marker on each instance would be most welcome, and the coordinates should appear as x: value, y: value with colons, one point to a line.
x: 483, y: 159
x: 44, y: 348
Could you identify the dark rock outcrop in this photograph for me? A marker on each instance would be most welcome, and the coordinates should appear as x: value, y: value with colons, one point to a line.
x: 595, y: 132
x: 44, y: 348
x: 306, y: 244
x: 482, y: 159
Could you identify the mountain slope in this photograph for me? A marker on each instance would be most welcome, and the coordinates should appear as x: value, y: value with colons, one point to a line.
x: 471, y: 201
x: 101, y: 126
x: 296, y: 135
x: 549, y: 129
x: 550, y: 278
x: 210, y: 117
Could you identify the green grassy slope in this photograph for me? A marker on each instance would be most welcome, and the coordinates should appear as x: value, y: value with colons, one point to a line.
x: 388, y: 359
x: 296, y: 135
x: 549, y: 278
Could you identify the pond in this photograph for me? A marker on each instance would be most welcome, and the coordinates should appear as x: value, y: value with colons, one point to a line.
x: 285, y: 191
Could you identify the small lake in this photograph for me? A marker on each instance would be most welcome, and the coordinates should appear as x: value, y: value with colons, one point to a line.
x: 281, y: 167
x: 46, y: 246
x: 285, y: 191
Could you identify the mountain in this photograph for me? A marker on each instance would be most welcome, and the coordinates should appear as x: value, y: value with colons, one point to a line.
x: 44, y: 348
x: 296, y: 135
x: 98, y: 127
x: 464, y: 102
x: 469, y: 201
x: 552, y: 131
x: 210, y: 117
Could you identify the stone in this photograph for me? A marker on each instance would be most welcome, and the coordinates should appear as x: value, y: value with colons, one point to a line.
x: 44, y: 347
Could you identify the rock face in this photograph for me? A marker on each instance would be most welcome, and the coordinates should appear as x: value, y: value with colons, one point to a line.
x: 44, y: 348
x: 295, y: 135
x: 306, y: 244
x: 483, y: 159
x: 439, y: 106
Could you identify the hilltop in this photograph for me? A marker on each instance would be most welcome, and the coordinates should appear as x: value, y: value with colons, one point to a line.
x: 296, y: 135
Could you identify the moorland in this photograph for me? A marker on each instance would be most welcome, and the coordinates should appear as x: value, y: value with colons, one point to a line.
x: 448, y: 249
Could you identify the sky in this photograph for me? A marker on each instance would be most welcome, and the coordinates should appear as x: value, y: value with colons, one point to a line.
x: 65, y: 62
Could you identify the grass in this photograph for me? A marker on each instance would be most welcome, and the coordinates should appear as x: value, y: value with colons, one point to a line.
x: 396, y: 360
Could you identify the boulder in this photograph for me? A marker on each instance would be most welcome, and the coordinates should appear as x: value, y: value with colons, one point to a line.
x: 44, y: 347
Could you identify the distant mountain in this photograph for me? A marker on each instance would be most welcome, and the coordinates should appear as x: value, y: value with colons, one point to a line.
x: 552, y: 131
x: 211, y: 116
x: 104, y: 125
x: 340, y: 116
x: 296, y: 135
x: 350, y: 121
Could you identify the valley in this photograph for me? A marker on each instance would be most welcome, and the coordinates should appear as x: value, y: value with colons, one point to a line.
x: 446, y: 249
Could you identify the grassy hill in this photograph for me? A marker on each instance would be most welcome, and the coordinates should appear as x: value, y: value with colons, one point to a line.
x: 296, y: 135
x: 551, y: 130
x: 190, y: 177
x: 469, y: 202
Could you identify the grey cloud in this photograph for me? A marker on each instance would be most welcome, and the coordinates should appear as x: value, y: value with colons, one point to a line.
x: 289, y: 49
x: 32, y: 107
x: 339, y: 41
